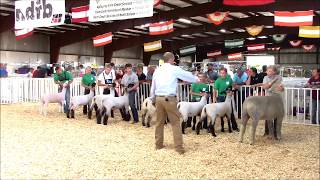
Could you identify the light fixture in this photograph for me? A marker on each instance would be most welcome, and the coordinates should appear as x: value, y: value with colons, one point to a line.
x: 187, y: 21
x: 223, y: 30
x: 251, y: 38
x: 269, y: 27
x: 185, y: 35
x: 262, y: 37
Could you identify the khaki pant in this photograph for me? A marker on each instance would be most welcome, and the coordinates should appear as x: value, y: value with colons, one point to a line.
x: 168, y: 109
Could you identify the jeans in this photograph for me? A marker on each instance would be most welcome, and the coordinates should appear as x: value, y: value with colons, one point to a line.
x: 67, y: 98
x: 132, y: 104
x: 315, y: 111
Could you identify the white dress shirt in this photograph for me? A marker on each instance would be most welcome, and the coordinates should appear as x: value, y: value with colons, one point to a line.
x: 165, y: 80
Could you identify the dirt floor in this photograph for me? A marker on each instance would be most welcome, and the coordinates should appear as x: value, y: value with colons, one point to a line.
x: 33, y: 146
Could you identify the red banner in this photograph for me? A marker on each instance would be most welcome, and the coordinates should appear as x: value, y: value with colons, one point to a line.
x: 247, y: 2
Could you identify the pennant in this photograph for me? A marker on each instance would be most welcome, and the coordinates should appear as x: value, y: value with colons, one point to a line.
x: 309, y: 31
x: 156, y: 3
x: 152, y: 46
x: 247, y: 2
x: 213, y: 54
x: 235, y: 56
x: 295, y: 43
x: 274, y: 49
x: 233, y: 43
x: 80, y: 14
x: 22, y: 33
x: 161, y: 28
x: 278, y: 38
x: 102, y: 40
x: 308, y: 47
x: 188, y: 50
x: 256, y: 47
x: 217, y: 17
x: 254, y: 30
x: 297, y: 18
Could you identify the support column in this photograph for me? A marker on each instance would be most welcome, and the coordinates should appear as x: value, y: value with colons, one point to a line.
x: 107, y: 53
x: 146, y: 58
x: 54, y: 50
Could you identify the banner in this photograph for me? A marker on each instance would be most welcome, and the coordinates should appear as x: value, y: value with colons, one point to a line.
x: 217, y: 17
x: 235, y: 56
x: 256, y: 47
x: 161, y: 28
x: 188, y: 50
x: 278, y: 38
x: 233, y: 43
x: 309, y: 31
x: 22, y: 33
x: 152, y: 46
x: 297, y: 18
x: 102, y: 40
x: 254, y: 30
x: 34, y: 13
x: 247, y: 2
x: 295, y: 43
x: 308, y: 47
x: 156, y: 2
x: 80, y: 14
x: 213, y: 54
x: 106, y: 10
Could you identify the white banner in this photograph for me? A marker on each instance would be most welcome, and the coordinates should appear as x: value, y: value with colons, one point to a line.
x: 39, y: 13
x: 106, y: 10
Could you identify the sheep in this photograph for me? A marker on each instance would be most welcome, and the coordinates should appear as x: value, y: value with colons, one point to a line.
x: 76, y: 101
x: 263, y: 107
x: 214, y: 110
x: 111, y: 102
x: 148, y: 111
x: 190, y: 109
x: 96, y: 103
x: 53, y: 98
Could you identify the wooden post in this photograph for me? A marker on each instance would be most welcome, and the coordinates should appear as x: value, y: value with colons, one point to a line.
x: 146, y: 58
x: 107, y: 53
x: 54, y: 50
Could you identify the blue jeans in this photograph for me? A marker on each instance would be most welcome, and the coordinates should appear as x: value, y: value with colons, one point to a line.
x: 132, y: 104
x: 315, y: 111
x: 67, y: 98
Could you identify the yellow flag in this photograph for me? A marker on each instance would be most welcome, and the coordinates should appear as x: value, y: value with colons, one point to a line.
x: 254, y: 30
x: 309, y: 31
x: 152, y: 46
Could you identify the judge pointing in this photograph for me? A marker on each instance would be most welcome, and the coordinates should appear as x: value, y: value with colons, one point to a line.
x: 164, y: 92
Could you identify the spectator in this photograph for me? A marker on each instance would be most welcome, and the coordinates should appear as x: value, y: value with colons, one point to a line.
x: 314, y: 83
x: 39, y: 73
x: 150, y: 73
x: 113, y: 71
x: 253, y: 79
x: 87, y: 80
x: 3, y: 70
x: 264, y: 72
x: 140, y: 74
x: 82, y: 70
x: 211, y: 74
x: 240, y: 79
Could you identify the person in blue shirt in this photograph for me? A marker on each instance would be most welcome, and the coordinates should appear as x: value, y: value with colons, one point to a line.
x: 240, y: 79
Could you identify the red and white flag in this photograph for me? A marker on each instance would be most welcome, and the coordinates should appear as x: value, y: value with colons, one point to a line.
x: 102, y: 40
x: 296, y: 18
x: 156, y: 2
x: 22, y: 33
x: 247, y: 2
x: 308, y: 47
x: 295, y: 43
x: 80, y: 14
x: 235, y: 56
x: 213, y: 54
x: 256, y: 47
x: 161, y: 28
x: 217, y: 17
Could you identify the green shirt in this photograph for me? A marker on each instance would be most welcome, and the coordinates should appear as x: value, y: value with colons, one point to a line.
x: 198, y: 88
x: 88, y: 79
x: 221, y: 85
x: 63, y: 77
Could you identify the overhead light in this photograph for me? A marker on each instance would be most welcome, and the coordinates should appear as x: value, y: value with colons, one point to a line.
x: 223, y: 30
x: 187, y: 21
x: 262, y: 37
x: 185, y: 35
x: 268, y: 27
x: 251, y: 38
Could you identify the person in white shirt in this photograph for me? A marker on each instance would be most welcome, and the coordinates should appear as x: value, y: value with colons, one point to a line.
x: 163, y: 92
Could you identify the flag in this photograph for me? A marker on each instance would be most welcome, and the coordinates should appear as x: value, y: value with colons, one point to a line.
x: 278, y: 38
x: 80, y: 14
x: 308, y: 47
x: 213, y: 54
x: 217, y: 17
x: 22, y: 33
x: 295, y: 43
x: 254, y: 30
x: 188, y: 50
x: 161, y: 28
x: 247, y: 2
x: 274, y: 49
x: 296, y: 18
x: 235, y: 56
x: 156, y: 2
x: 233, y: 43
x: 256, y: 47
x: 56, y: 18
x: 102, y: 40
x: 152, y: 46
x: 309, y: 31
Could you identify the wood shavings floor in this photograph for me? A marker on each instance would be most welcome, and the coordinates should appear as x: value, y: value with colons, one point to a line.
x: 54, y: 147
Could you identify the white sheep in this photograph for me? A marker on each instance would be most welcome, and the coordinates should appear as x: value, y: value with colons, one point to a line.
x: 148, y: 111
x: 96, y: 103
x: 266, y: 108
x: 214, y: 110
x: 110, y: 103
x: 77, y: 101
x: 190, y: 109
x: 53, y: 98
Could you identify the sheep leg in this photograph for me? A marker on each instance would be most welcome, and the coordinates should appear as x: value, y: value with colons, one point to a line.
x: 89, y: 114
x: 184, y: 124
x: 194, y: 120
x: 278, y: 128
x: 198, y: 125
x: 72, y: 113
x: 143, y: 117
x: 229, y: 124
x: 266, y: 128
x: 271, y: 129
x: 68, y: 114
x: 253, y: 130
x: 245, y: 119
x: 99, y: 115
x: 212, y: 126
x: 149, y: 120
x: 222, y: 124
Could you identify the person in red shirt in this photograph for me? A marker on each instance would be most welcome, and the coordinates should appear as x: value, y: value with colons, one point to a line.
x: 314, y: 83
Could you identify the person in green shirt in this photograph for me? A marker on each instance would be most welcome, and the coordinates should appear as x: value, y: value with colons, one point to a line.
x: 60, y: 77
x: 87, y: 80
x: 197, y: 91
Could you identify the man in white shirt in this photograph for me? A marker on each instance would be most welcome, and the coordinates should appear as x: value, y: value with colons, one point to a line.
x: 163, y: 92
